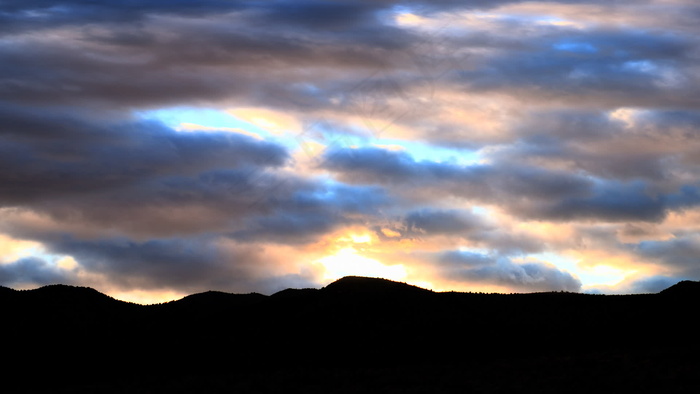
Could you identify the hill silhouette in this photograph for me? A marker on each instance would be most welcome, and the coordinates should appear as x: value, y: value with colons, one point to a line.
x: 354, y: 334
x: 358, y: 285
x: 213, y: 300
x: 686, y: 288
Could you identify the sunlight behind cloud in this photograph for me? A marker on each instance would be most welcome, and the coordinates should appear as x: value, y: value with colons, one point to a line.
x: 197, y: 127
x: 626, y: 116
x: 501, y: 145
x: 347, y: 262
x: 408, y: 19
x: 275, y: 122
x: 605, y: 275
x: 12, y: 249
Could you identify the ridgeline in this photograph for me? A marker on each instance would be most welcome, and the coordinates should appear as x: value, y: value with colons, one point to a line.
x: 356, y: 334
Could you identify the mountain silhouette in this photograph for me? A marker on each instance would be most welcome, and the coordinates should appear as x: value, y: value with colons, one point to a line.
x: 70, y: 296
x: 358, y: 285
x: 355, y: 334
x: 684, y: 288
x: 212, y: 300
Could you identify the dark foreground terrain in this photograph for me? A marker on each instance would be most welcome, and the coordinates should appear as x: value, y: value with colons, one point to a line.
x: 356, y: 335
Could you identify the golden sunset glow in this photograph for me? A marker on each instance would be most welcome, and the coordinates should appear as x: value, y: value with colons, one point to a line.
x: 307, y: 175
x: 12, y: 249
x: 347, y: 262
x: 275, y: 122
x: 506, y: 146
x: 197, y: 127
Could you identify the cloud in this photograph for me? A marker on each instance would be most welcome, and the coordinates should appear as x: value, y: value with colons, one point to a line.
x: 467, y: 226
x: 525, y: 191
x: 638, y: 285
x: 680, y: 254
x: 625, y: 144
x: 136, y: 177
x: 653, y: 284
x: 78, y: 156
x: 492, y: 269
x: 340, y: 15
x: 442, y: 222
x: 520, y: 128
x: 155, y: 54
x: 172, y: 263
x: 314, y: 211
x: 186, y: 264
x: 33, y: 271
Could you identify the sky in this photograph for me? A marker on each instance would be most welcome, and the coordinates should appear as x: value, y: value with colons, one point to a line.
x: 153, y: 149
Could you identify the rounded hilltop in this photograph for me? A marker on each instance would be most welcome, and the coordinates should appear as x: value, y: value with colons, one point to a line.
x: 369, y: 285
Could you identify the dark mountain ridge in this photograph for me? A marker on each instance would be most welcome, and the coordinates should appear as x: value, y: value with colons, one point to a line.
x: 374, y: 286
x: 351, y: 286
x: 366, y: 323
x: 685, y: 288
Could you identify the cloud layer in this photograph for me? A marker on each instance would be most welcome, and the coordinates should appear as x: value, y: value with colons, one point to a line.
x: 157, y: 148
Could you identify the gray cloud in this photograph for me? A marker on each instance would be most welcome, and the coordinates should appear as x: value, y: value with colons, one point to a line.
x: 313, y: 211
x: 493, y: 269
x: 525, y: 191
x: 651, y: 145
x: 174, y: 263
x: 443, y: 222
x: 140, y: 49
x: 59, y: 155
x: 653, y: 284
x: 599, y: 68
x: 468, y: 226
x: 186, y: 264
x: 33, y: 271
x: 150, y: 56
x: 682, y: 253
x: 531, y: 89
x: 645, y: 285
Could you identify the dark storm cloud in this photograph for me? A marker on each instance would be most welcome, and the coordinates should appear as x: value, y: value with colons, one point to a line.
x: 498, y: 270
x: 524, y: 190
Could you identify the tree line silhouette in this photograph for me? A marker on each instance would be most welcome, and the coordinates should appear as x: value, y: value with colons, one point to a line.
x: 388, y: 333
